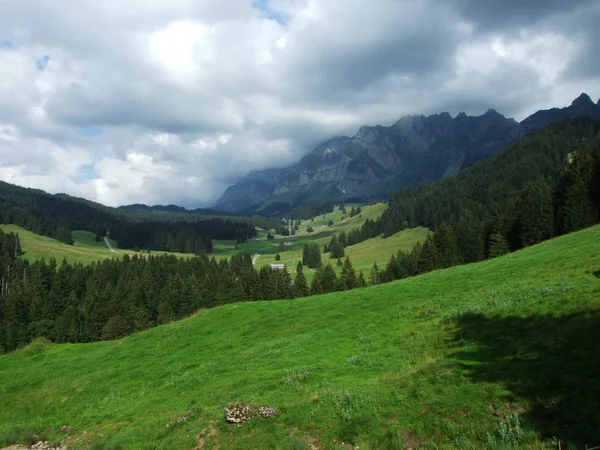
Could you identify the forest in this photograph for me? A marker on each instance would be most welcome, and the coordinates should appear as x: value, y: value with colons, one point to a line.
x: 545, y: 185
x: 56, y: 216
x: 112, y: 298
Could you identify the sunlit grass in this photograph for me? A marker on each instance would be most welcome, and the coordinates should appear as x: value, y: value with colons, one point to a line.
x: 437, y: 361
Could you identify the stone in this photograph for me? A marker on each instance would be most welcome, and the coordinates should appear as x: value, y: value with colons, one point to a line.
x: 239, y: 412
x: 267, y: 411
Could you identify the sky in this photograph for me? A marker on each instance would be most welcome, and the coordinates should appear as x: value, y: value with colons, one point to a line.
x: 171, y: 101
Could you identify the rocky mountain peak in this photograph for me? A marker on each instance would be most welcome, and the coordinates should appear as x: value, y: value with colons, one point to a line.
x: 378, y: 160
x: 582, y: 101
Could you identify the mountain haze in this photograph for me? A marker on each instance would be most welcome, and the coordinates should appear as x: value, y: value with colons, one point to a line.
x: 378, y: 160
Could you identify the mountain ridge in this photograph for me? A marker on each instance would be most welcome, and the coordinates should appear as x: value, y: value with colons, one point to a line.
x: 377, y: 159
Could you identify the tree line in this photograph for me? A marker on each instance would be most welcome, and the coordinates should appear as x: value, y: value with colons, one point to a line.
x: 112, y: 298
x: 56, y: 216
x: 547, y: 184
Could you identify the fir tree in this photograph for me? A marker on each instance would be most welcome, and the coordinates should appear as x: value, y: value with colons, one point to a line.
x: 535, y: 215
x: 300, y: 286
x: 374, y: 278
x: 498, y: 245
x: 348, y: 276
x: 361, y: 279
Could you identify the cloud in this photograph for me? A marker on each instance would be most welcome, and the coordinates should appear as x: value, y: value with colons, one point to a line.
x: 171, y: 101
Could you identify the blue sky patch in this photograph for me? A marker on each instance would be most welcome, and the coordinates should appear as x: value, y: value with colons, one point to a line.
x: 87, y: 172
x: 42, y: 62
x: 263, y: 5
x: 8, y: 44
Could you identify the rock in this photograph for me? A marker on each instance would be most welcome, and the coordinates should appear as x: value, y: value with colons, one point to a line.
x: 65, y: 429
x: 266, y: 411
x: 45, y: 445
x: 239, y: 412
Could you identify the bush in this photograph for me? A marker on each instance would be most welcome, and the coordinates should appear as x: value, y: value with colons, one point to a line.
x: 37, y: 346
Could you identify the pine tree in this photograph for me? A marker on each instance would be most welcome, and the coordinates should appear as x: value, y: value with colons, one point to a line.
x: 374, y: 278
x: 300, y: 286
x: 315, y: 286
x: 498, y: 245
x: 572, y: 194
x: 305, y: 255
x: 446, y: 246
x: 361, y: 279
x: 429, y: 258
x: 314, y: 256
x: 348, y: 276
x: 277, y: 257
x: 536, y: 215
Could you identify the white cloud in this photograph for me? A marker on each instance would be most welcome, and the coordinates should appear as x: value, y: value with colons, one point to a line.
x: 183, y: 96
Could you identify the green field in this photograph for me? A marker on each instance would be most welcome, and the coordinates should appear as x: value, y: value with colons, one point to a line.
x: 362, y: 255
x: 499, y: 354
x: 84, y: 250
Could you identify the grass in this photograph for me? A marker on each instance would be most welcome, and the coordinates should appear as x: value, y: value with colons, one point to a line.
x: 362, y: 255
x: 84, y: 250
x: 500, y: 354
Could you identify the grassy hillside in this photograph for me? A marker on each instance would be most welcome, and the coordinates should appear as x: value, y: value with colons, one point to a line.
x: 363, y: 255
x: 84, y: 250
x: 500, y: 354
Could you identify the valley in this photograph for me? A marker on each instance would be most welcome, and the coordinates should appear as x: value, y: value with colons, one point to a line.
x: 299, y: 225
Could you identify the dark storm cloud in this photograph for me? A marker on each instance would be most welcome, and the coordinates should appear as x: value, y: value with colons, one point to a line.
x: 493, y: 15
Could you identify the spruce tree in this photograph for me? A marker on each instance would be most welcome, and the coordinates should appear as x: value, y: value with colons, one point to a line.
x: 315, y: 286
x: 348, y: 276
x: 446, y: 246
x: 573, y: 205
x: 305, y: 255
x: 300, y: 286
x: 429, y: 258
x: 328, y: 278
x: 374, y: 278
x: 498, y: 245
x: 361, y: 279
x: 536, y: 215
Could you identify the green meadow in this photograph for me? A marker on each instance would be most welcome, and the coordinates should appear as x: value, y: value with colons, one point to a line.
x: 362, y: 255
x: 499, y: 354
x: 84, y: 250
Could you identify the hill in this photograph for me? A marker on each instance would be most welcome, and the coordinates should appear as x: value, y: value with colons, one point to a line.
x: 57, y: 216
x: 499, y: 354
x: 378, y: 160
x: 84, y: 250
x: 363, y: 255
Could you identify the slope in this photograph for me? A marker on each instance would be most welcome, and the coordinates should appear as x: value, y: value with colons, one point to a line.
x: 362, y: 255
x: 85, y: 249
x: 492, y: 355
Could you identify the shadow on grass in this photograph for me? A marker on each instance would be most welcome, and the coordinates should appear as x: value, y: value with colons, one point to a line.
x: 550, y: 363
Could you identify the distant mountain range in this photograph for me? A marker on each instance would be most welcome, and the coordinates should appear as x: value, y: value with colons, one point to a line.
x: 379, y: 160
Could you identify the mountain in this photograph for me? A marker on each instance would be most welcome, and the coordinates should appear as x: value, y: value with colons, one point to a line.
x: 379, y: 160
x: 581, y: 106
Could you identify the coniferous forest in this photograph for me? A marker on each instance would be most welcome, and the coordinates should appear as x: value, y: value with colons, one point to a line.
x: 545, y: 185
x: 113, y: 298
x: 56, y: 216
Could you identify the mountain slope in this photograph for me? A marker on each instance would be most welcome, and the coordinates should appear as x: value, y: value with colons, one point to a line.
x: 378, y: 160
x: 438, y: 360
